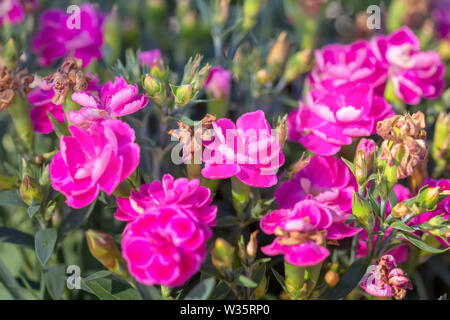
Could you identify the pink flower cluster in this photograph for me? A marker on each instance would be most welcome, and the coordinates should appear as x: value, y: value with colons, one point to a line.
x: 348, y: 82
x: 247, y: 150
x: 314, y: 206
x: 169, y: 224
x: 58, y: 38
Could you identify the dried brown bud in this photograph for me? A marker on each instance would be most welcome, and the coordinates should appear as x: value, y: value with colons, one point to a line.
x: 331, y: 278
x: 252, y: 245
x: 10, y: 83
x: 299, y: 165
x: 69, y: 77
x: 400, y: 210
x: 405, y: 142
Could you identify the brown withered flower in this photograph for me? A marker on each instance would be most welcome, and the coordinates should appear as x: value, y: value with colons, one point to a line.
x: 404, y: 142
x: 68, y: 77
x: 10, y: 83
x: 192, y: 138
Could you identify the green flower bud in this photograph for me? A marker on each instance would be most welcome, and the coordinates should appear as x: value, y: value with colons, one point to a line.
x: 9, y: 54
x: 30, y: 191
x: 152, y: 85
x: 183, y: 94
x: 362, y: 211
x: 241, y: 195
x: 104, y: 249
x: 297, y: 64
x: 428, y: 198
x: 251, y: 11
x: 222, y: 255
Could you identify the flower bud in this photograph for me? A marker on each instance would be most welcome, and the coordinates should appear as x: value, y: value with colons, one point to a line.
x: 220, y: 13
x: 201, y: 77
x: 104, y: 249
x: 251, y: 11
x: 263, y: 77
x: 30, y: 191
x: 362, y: 211
x: 440, y: 149
x: 156, y: 9
x: 282, y: 130
x: 428, y: 198
x: 218, y: 84
x: 252, y: 245
x: 222, y: 255
x: 9, y: 55
x: 297, y: 64
x: 277, y: 55
x: 361, y: 169
x: 241, y: 195
x: 331, y: 278
x: 400, y: 210
x: 183, y: 94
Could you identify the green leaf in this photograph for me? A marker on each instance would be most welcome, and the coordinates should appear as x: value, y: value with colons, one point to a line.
x: 349, y: 164
x: 44, y: 243
x: 60, y: 128
x: 11, y: 198
x: 55, y: 280
x: 400, y: 225
x: 75, y: 218
x: 227, y: 221
x: 98, y: 275
x: 201, y: 291
x: 10, y: 283
x: 280, y: 279
x: 109, y: 289
x: 422, y: 245
x: 349, y: 280
x: 247, y: 282
x: 16, y: 237
x: 32, y: 210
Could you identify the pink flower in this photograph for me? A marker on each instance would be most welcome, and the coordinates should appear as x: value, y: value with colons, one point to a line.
x: 247, y: 150
x: 414, y: 73
x: 443, y: 208
x: 300, y: 231
x: 117, y: 99
x: 58, y: 38
x: 187, y: 195
x: 384, y: 279
x: 93, y: 159
x: 218, y: 83
x: 150, y: 58
x: 11, y: 11
x: 166, y: 245
x: 337, y: 64
x: 328, y: 181
x: 332, y: 118
x: 400, y: 253
x: 41, y: 102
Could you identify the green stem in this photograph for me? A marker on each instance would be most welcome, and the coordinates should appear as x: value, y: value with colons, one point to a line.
x: 295, y: 277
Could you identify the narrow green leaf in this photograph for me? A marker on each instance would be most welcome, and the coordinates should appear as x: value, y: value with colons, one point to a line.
x: 400, y: 225
x: 247, y: 282
x: 55, y: 280
x: 98, y: 275
x: 60, y: 128
x: 16, y: 237
x: 349, y: 280
x: 32, y: 210
x: 75, y: 218
x: 11, y: 198
x: 201, y: 291
x: 280, y: 279
x: 10, y: 283
x: 110, y: 289
x: 422, y: 245
x: 44, y: 243
x: 349, y: 164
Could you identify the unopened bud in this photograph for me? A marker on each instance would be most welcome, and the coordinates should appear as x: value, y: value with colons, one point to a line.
x: 362, y: 211
x: 104, y: 249
x: 252, y: 245
x: 221, y: 8
x: 400, y: 210
x: 251, y: 11
x: 361, y: 169
x: 263, y: 77
x: 183, y: 94
x: 222, y: 255
x: 30, y: 191
x: 331, y: 278
x: 277, y: 55
x: 297, y: 64
x: 428, y: 198
x: 151, y: 85
x: 201, y: 77
x: 9, y: 55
